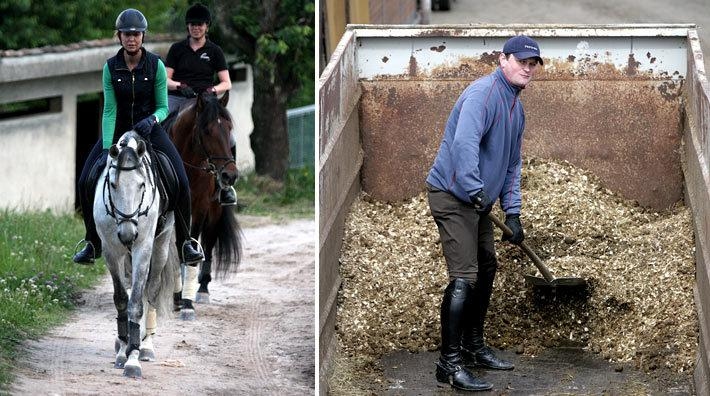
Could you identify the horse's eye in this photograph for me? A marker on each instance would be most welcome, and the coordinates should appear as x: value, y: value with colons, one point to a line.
x: 113, y: 185
x: 142, y: 185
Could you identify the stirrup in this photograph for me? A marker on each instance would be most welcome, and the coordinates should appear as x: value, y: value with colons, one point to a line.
x: 198, y: 248
x: 86, y: 242
x: 228, y: 203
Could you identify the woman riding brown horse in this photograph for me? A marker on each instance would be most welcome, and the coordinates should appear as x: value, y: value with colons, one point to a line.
x: 201, y: 133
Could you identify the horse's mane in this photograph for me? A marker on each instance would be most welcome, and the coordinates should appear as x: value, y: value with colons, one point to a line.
x: 211, y: 111
x: 169, y: 121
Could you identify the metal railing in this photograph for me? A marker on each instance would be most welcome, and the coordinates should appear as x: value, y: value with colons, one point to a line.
x: 301, y: 136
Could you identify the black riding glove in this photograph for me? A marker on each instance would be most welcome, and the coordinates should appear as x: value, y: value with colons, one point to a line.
x: 186, y: 91
x: 144, y: 126
x: 512, y: 221
x: 481, y: 203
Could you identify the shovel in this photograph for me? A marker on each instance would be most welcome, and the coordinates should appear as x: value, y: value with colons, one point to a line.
x: 548, y: 281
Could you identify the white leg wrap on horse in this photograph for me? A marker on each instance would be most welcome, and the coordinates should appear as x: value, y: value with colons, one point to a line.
x: 189, y: 288
x: 151, y: 321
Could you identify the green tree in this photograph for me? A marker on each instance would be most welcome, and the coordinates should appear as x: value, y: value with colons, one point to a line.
x: 277, y: 37
x: 30, y: 24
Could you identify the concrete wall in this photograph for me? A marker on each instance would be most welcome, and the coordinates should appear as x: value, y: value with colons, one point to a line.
x: 37, y: 159
x: 628, y: 102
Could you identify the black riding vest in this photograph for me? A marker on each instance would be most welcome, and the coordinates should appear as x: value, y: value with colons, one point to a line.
x: 134, y: 90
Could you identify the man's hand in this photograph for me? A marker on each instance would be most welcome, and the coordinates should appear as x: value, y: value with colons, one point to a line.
x: 144, y: 126
x: 512, y: 221
x: 481, y: 203
x: 186, y: 90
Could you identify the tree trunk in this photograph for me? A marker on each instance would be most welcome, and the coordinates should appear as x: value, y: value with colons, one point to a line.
x: 270, y: 137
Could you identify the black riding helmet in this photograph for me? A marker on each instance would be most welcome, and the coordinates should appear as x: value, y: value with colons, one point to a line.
x: 197, y: 13
x: 131, y: 20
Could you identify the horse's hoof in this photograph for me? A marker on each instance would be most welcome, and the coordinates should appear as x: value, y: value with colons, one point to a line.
x: 132, y: 368
x: 187, y: 314
x: 120, y: 362
x: 120, y: 349
x: 202, y: 298
x: 147, y: 355
x: 147, y: 351
x: 132, y: 371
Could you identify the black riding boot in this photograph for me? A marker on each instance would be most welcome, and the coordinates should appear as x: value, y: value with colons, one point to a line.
x: 449, y: 368
x: 473, y: 348
x: 228, y: 196
x: 92, y: 249
x: 187, y: 253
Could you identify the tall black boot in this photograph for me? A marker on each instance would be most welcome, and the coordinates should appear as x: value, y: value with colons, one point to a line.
x: 449, y: 368
x: 187, y: 253
x: 473, y: 347
x: 92, y: 249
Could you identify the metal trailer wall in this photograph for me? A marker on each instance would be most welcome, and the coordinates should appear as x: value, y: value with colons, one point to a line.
x: 340, y: 160
x: 696, y: 169
x: 611, y: 99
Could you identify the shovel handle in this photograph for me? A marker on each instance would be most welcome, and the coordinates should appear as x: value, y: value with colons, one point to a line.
x: 536, y: 260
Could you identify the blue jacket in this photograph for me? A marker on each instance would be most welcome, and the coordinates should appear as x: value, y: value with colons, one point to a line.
x: 481, y: 147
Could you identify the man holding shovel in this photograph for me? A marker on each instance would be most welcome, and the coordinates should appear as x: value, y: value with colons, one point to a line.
x: 479, y: 161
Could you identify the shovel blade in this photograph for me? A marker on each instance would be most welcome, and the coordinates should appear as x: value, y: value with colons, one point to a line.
x: 557, y: 282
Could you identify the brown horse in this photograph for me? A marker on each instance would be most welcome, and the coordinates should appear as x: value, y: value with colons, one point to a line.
x: 201, y: 132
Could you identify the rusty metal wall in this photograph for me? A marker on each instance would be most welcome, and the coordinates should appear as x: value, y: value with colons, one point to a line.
x: 696, y: 169
x: 622, y: 124
x: 340, y: 160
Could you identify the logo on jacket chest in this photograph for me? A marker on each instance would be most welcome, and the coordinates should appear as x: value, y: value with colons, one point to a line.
x: 204, y: 57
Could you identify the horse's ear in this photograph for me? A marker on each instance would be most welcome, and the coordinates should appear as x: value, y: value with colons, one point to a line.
x: 224, y: 99
x: 113, y: 151
x: 141, y: 148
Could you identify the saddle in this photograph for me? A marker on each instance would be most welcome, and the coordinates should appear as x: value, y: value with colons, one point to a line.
x: 167, y: 180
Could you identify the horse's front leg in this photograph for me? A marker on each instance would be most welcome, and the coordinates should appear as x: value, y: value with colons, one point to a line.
x: 120, y: 300
x: 139, y: 277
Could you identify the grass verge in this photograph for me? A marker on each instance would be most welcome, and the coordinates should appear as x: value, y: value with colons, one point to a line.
x: 39, y: 283
x: 264, y: 196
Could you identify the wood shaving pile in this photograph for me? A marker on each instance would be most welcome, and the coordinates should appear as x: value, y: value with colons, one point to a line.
x: 639, y: 264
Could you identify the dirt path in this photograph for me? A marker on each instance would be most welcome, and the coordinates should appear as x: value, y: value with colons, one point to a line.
x: 256, y: 337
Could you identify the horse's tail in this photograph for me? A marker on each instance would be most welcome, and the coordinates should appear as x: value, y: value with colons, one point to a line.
x: 163, y: 302
x: 229, y: 243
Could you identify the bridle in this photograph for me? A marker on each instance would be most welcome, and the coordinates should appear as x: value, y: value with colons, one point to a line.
x: 112, y: 210
x: 211, y: 166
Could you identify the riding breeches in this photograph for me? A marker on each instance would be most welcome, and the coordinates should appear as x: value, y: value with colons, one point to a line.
x: 467, y: 239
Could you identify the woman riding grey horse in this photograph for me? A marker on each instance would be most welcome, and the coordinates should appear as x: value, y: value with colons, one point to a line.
x: 135, y: 97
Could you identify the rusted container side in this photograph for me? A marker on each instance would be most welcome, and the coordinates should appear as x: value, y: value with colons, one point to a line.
x: 340, y: 160
x: 696, y: 169
x: 607, y: 104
